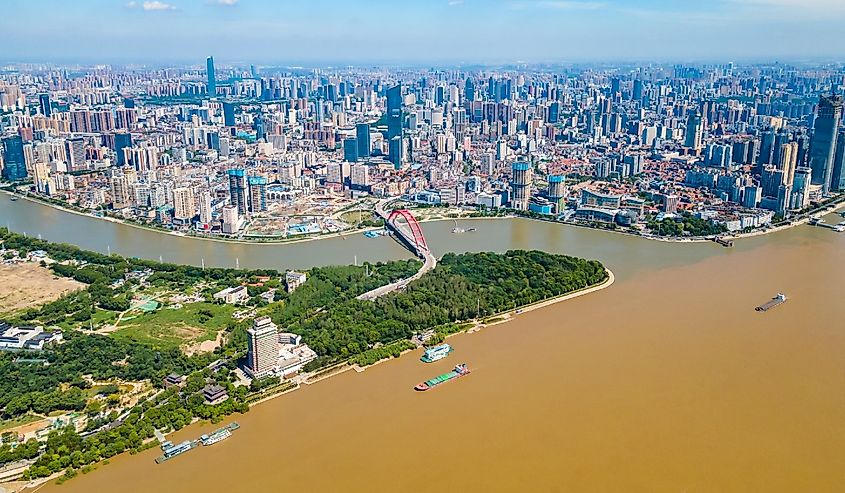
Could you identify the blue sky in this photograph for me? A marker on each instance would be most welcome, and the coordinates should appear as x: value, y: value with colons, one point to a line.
x: 420, y: 31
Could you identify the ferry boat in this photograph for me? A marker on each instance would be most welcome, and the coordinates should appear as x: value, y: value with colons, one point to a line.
x: 436, y: 353
x: 217, y: 436
x: 171, y: 450
x: 458, y: 372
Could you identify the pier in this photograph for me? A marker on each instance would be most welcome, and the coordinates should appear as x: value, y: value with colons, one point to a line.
x: 839, y: 228
x: 171, y: 450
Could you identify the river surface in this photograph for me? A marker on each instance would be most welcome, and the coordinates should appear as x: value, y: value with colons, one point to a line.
x: 668, y: 381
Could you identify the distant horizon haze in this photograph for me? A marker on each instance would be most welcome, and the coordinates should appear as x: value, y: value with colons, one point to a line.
x: 421, y: 32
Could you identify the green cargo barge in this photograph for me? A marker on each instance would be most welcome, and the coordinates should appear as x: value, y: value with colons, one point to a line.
x: 459, y: 371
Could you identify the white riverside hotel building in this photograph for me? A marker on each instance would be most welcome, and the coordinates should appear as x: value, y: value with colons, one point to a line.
x: 263, y: 348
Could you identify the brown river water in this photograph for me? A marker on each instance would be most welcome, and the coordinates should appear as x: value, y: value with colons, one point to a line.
x: 668, y: 381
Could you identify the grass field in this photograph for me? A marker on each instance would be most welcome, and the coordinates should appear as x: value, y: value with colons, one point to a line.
x: 14, y: 423
x: 354, y: 217
x: 167, y: 328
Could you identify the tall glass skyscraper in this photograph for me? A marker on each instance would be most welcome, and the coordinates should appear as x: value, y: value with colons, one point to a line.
x: 394, y: 125
x: 229, y: 113
x: 823, y: 145
x: 122, y: 141
x: 350, y: 150
x: 212, y: 80
x: 362, y: 135
x: 469, y: 90
x: 44, y: 102
x: 260, y: 127
x: 554, y: 112
x: 14, y: 164
x: 394, y: 111
x: 637, y: 93
x: 837, y: 182
x: 395, y: 151
x: 695, y: 130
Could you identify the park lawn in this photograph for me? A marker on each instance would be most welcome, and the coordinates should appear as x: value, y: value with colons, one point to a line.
x: 354, y: 217
x: 167, y: 328
x: 101, y: 317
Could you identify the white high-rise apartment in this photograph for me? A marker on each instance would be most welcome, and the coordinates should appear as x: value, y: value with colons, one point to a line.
x: 262, y: 348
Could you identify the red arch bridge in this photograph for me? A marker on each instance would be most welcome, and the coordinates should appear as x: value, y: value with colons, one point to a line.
x: 406, y: 230
x: 412, y: 236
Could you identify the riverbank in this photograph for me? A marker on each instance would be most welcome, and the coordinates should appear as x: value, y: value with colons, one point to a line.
x: 838, y: 202
x: 179, y: 234
x: 477, y: 325
x: 596, y: 379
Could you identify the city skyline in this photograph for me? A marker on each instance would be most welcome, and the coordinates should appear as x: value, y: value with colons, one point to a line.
x: 430, y: 31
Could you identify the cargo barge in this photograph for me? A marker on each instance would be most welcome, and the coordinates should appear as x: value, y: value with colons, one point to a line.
x: 458, y: 372
x: 777, y: 300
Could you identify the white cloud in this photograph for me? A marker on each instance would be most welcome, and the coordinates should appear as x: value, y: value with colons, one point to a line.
x: 156, y: 5
x: 225, y: 3
x: 572, y: 5
x: 132, y: 5
x: 792, y: 9
x: 454, y: 3
x: 557, y: 5
x: 820, y: 4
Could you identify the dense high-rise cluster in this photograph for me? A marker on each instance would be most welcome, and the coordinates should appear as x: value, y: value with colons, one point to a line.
x: 221, y: 149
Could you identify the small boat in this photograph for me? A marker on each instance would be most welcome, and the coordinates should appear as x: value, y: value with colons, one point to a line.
x: 456, y: 229
x: 458, y: 372
x: 436, y: 353
x: 14, y: 199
